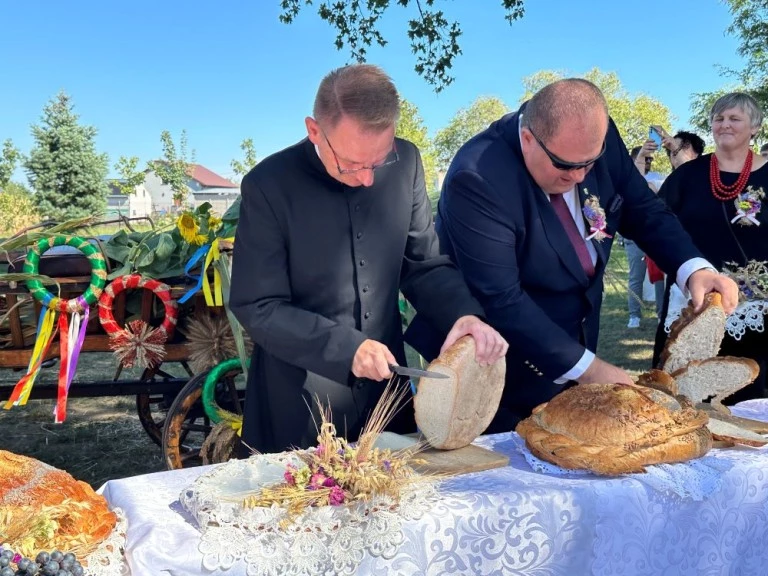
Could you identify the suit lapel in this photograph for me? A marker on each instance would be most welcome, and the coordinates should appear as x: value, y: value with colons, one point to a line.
x: 558, y: 238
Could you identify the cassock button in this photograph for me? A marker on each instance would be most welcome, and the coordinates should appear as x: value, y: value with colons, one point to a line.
x: 359, y: 235
x: 362, y: 262
x: 357, y: 207
x: 367, y: 315
x: 366, y: 288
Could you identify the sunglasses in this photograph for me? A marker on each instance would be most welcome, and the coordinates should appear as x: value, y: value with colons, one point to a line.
x: 564, y: 165
x: 391, y: 158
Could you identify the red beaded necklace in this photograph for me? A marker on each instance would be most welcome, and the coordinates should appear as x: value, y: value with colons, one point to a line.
x: 720, y: 190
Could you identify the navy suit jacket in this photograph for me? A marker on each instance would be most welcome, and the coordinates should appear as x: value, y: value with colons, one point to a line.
x: 499, y: 227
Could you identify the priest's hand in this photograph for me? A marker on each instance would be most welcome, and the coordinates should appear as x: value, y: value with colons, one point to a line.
x: 602, y: 372
x: 489, y: 345
x: 706, y: 280
x: 372, y: 360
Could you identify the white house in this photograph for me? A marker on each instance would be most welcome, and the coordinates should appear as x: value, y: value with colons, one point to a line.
x: 204, y: 186
x: 134, y: 205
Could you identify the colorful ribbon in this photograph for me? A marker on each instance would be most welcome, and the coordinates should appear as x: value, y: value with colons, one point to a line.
x: 211, y: 253
x: 71, y: 338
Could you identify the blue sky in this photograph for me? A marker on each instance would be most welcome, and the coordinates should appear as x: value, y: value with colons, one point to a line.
x: 229, y: 70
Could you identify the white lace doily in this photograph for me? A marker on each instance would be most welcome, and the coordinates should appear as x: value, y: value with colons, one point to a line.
x: 108, y: 559
x: 747, y: 316
x: 324, y: 540
x: 695, y: 479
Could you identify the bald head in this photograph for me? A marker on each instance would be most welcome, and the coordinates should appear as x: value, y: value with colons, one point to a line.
x: 572, y: 102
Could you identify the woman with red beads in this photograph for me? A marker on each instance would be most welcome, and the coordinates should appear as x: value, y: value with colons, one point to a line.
x: 719, y: 200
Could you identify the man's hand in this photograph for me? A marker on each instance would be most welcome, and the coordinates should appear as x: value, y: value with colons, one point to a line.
x: 372, y: 361
x: 704, y: 281
x: 489, y: 345
x: 603, y: 373
x: 649, y: 147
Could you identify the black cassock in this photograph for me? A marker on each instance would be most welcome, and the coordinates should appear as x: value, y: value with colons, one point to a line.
x: 317, y: 267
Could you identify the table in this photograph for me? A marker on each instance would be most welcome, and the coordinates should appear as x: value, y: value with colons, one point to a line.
x: 516, y: 521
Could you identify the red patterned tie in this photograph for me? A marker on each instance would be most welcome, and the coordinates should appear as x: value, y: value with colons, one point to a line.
x: 579, y: 244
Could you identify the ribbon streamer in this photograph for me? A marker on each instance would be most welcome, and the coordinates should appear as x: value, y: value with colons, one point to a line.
x: 45, y: 335
x: 212, y: 254
x: 741, y: 214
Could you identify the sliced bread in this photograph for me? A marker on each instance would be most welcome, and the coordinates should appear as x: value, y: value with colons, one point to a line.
x: 695, y: 336
x: 452, y: 412
x: 658, y: 380
x: 756, y: 426
x: 728, y: 432
x: 715, y: 378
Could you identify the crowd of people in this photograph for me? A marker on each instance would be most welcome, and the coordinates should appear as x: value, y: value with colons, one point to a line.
x: 335, y: 227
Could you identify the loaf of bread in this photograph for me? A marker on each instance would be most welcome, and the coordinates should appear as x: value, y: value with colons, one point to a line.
x: 615, y: 429
x: 730, y: 432
x: 43, y: 508
x: 695, y: 336
x: 658, y: 380
x: 715, y: 378
x: 451, y: 412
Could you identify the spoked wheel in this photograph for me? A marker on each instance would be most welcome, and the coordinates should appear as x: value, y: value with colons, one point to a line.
x: 187, y: 425
x: 153, y: 408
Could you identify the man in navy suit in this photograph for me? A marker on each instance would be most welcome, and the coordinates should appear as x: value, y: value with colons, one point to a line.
x: 511, y: 216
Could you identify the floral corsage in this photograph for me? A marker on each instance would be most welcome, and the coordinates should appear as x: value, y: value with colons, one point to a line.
x: 595, y: 215
x: 748, y: 205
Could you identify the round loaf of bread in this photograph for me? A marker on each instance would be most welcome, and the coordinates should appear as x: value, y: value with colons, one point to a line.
x: 451, y: 412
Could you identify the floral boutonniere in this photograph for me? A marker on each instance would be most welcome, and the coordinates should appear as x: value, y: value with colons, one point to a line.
x: 748, y: 205
x: 595, y: 215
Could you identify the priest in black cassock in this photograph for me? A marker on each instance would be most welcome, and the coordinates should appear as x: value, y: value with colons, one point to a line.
x: 330, y: 230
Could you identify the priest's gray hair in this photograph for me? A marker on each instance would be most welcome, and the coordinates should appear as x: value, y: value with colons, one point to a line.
x: 563, y: 99
x: 363, y: 92
x: 740, y: 100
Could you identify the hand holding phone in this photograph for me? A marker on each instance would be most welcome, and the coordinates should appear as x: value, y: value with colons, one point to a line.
x: 655, y: 135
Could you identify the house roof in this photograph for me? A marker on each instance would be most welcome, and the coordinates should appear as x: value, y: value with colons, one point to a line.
x: 210, y: 179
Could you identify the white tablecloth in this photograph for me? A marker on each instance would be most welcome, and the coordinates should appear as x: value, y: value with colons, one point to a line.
x: 515, y: 521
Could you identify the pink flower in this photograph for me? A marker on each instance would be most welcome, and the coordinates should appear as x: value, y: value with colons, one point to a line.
x: 329, y: 483
x: 336, y: 497
x: 289, y: 478
x: 317, y: 480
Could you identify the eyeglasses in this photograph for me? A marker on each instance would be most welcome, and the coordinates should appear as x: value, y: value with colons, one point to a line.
x: 564, y: 165
x: 676, y: 151
x: 391, y: 158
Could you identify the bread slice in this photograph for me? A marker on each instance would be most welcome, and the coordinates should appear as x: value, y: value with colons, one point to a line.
x: 658, y: 380
x: 715, y: 378
x: 728, y: 432
x: 452, y: 412
x: 695, y: 336
x: 755, y: 426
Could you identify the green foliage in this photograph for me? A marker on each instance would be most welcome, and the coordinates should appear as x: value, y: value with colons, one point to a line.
x: 411, y: 127
x: 465, y: 124
x: 64, y: 169
x: 17, y: 208
x: 8, y: 160
x: 633, y: 114
x: 130, y: 175
x: 241, y: 168
x: 434, y: 39
x: 750, y: 25
x: 174, y: 169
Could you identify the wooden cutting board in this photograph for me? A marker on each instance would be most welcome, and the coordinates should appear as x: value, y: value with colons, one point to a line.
x: 452, y: 462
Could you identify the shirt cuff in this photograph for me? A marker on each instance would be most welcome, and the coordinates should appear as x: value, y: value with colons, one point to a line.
x: 577, y: 371
x: 688, y: 268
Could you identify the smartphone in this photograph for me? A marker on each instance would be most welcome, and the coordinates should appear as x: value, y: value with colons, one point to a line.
x: 654, y: 135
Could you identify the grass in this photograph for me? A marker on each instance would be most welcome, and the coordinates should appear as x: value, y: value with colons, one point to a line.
x: 102, y: 438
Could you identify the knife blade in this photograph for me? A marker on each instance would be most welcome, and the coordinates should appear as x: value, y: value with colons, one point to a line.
x: 415, y: 372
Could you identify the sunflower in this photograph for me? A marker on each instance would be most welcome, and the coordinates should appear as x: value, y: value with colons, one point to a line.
x: 213, y: 222
x: 188, y: 227
x: 199, y: 239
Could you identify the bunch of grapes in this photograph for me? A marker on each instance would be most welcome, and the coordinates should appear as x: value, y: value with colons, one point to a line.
x: 54, y: 563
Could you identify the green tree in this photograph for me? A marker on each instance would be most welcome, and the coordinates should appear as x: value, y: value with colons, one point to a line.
x: 633, y: 114
x: 64, y: 169
x: 411, y: 127
x: 130, y: 174
x: 242, y: 167
x: 174, y: 169
x: 434, y: 39
x: 750, y: 25
x: 465, y: 124
x: 18, y: 209
x: 8, y: 160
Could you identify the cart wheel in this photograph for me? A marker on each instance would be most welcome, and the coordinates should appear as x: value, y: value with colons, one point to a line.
x: 187, y: 425
x: 153, y: 409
